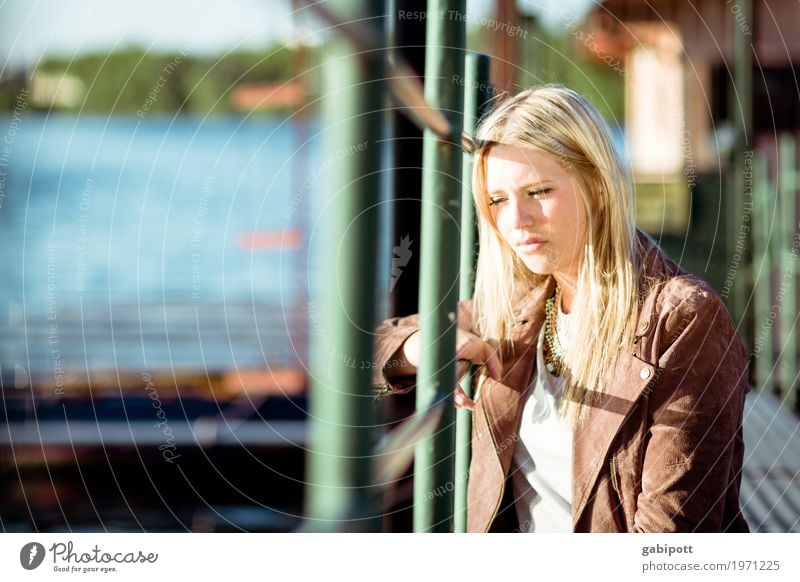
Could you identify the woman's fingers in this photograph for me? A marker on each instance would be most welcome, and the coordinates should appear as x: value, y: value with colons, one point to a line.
x: 462, y: 400
x: 462, y: 367
x: 471, y: 347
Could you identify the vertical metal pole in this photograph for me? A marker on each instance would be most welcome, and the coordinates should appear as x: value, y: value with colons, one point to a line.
x: 476, y: 74
x: 341, y: 417
x: 787, y: 289
x: 762, y: 275
x: 742, y: 111
x: 441, y: 202
x: 409, y: 41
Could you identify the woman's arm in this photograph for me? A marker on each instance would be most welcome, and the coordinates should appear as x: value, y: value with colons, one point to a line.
x: 694, y: 453
x: 399, y: 364
x: 396, y: 351
x: 391, y: 372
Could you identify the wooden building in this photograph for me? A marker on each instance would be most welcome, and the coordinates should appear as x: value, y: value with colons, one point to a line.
x: 683, y: 112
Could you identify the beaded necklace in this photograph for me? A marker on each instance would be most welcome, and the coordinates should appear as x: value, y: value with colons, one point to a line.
x: 552, y: 350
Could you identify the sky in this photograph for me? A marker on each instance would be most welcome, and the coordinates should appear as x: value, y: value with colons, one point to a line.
x: 30, y: 29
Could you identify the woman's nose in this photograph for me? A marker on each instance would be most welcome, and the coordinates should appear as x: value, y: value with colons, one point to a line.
x: 522, y: 212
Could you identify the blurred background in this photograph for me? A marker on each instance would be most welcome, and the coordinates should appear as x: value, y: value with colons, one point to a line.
x: 161, y: 191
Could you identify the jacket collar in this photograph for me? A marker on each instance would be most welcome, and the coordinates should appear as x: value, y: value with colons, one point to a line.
x: 593, y: 439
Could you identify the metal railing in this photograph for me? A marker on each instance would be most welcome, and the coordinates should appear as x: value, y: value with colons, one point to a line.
x: 346, y: 471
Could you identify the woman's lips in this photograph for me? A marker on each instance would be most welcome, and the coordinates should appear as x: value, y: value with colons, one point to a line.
x: 530, y: 245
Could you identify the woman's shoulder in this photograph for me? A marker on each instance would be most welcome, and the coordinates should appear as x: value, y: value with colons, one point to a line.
x: 684, y: 328
x: 674, y: 300
x: 667, y: 285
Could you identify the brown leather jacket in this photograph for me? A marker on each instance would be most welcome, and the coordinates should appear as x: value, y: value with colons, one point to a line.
x: 663, y: 450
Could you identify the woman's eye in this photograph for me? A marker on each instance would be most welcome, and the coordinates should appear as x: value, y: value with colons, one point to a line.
x: 493, y: 201
x: 540, y: 191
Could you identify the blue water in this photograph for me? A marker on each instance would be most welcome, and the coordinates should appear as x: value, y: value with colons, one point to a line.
x: 126, y: 234
x: 124, y: 210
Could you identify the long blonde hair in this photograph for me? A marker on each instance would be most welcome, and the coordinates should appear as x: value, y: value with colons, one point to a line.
x: 559, y: 122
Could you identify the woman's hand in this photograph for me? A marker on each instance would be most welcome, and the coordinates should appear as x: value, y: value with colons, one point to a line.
x: 470, y: 349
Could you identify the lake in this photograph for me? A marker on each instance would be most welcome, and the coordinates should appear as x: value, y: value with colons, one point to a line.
x: 135, y: 243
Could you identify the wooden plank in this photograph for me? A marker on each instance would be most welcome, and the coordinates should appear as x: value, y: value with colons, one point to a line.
x: 770, y: 493
x: 192, y: 339
x: 202, y: 432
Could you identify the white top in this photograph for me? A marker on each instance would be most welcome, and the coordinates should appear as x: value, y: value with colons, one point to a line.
x: 542, y: 461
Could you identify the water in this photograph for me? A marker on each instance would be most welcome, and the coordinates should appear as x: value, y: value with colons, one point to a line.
x: 123, y: 210
x: 129, y: 221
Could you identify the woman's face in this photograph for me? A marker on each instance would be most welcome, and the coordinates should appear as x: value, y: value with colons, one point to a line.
x: 537, y: 209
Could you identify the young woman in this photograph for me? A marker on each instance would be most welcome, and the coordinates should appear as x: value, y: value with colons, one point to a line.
x: 612, y: 382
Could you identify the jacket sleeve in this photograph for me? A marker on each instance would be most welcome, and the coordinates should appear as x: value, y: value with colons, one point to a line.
x: 390, y: 335
x: 695, y: 420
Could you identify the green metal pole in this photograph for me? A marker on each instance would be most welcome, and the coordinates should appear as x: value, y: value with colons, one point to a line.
x: 441, y: 202
x: 762, y: 275
x: 787, y: 290
x: 341, y: 421
x: 742, y: 111
x: 476, y: 76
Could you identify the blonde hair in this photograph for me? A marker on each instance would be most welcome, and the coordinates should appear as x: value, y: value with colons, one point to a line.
x: 558, y: 121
